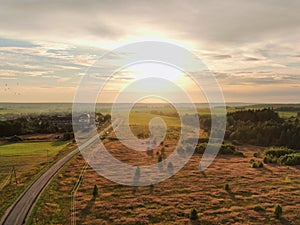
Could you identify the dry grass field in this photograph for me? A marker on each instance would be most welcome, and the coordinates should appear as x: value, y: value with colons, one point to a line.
x: 252, y: 196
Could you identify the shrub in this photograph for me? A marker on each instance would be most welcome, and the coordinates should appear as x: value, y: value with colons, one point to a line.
x: 290, y: 159
x: 226, y: 187
x: 238, y: 153
x: 252, y: 161
x: 95, y: 191
x: 170, y: 167
x: 256, y: 154
x: 227, y: 149
x: 267, y: 159
x: 137, y: 175
x: 180, y: 150
x: 259, y: 208
x: 194, y: 214
x: 260, y: 164
x: 277, y: 152
x: 278, y: 211
x: 200, y: 148
x: 151, y: 187
x: 235, y: 142
x: 160, y: 158
x: 257, y: 164
x: 254, y: 165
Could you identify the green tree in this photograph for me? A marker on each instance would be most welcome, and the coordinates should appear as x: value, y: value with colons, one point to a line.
x: 95, y: 191
x: 194, y: 214
x: 278, y: 211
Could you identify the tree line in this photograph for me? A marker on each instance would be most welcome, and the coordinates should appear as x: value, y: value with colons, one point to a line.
x: 259, y: 127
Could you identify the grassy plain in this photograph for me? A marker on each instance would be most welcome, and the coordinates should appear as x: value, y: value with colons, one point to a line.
x: 170, y: 201
x: 29, y: 159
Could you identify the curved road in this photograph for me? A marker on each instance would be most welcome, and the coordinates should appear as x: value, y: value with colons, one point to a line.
x: 18, y: 213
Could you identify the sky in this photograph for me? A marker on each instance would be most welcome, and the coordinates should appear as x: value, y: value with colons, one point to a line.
x: 252, y: 47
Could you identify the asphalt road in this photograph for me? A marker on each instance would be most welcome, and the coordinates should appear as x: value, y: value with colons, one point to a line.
x: 18, y: 213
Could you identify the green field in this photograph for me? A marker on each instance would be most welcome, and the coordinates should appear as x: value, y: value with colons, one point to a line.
x: 143, y: 118
x: 31, y: 148
x: 29, y: 159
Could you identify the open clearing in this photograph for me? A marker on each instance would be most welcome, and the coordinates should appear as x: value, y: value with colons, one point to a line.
x: 171, y: 201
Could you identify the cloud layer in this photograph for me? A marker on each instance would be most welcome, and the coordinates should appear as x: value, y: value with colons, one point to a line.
x: 246, y: 43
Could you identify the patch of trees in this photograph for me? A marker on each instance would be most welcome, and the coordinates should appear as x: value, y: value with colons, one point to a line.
x: 259, y: 127
x: 288, y: 109
x: 225, y: 149
x: 32, y: 124
x: 43, y: 124
x: 283, y: 156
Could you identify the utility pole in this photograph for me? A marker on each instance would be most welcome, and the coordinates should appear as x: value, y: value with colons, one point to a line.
x: 47, y: 157
x: 13, y: 173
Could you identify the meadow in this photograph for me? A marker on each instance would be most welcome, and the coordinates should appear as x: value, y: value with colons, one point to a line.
x: 250, y: 197
x: 230, y: 191
x: 29, y: 159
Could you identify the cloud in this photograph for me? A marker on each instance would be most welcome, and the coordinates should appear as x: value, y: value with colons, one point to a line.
x: 230, y: 22
x: 6, y: 42
x: 245, y: 42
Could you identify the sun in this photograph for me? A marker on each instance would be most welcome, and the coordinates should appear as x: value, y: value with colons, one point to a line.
x: 154, y: 69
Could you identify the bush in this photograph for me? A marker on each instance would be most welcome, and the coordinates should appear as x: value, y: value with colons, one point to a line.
x: 278, y: 211
x: 257, y: 164
x: 170, y: 167
x: 194, y: 214
x: 200, y: 148
x: 277, y: 152
x: 254, y: 165
x: 95, y: 191
x: 151, y: 188
x: 238, y: 153
x: 227, y: 149
x: 180, y: 150
x: 290, y: 159
x: 226, y: 187
x: 267, y: 159
x: 260, y: 164
x: 251, y: 161
x: 68, y: 136
x: 259, y: 208
x: 137, y: 175
x: 235, y: 142
x: 160, y: 158
x: 256, y: 154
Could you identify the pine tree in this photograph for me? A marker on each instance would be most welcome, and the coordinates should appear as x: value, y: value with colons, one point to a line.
x: 278, y: 211
x: 194, y: 214
x: 95, y: 191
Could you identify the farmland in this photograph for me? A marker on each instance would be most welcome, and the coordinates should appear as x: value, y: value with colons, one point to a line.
x: 28, y: 159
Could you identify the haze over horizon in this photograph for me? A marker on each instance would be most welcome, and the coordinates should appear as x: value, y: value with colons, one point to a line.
x: 252, y: 47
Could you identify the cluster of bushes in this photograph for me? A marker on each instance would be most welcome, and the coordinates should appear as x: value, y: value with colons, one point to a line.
x: 290, y: 159
x: 283, y: 156
x: 225, y: 149
x: 257, y: 164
